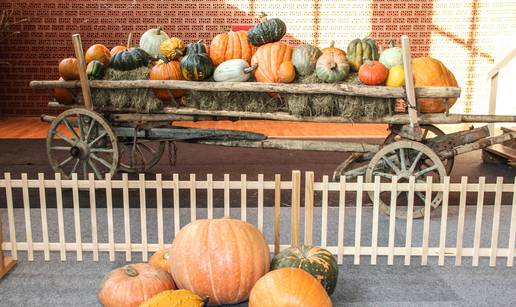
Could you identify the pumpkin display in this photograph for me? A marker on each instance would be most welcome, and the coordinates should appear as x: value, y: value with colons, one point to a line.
x: 396, y: 76
x: 161, y: 259
x: 267, y: 31
x: 133, y: 284
x: 151, y: 41
x: 315, y: 260
x: 196, y: 65
x: 236, y: 70
x: 231, y: 45
x: 288, y: 287
x: 361, y: 50
x: 69, y: 69
x: 95, y: 70
x: 331, y: 67
x: 392, y: 56
x: 63, y: 95
x: 173, y: 48
x: 219, y: 258
x: 428, y: 71
x: 166, y: 70
x: 117, y: 49
x: 174, y: 298
x: 373, y: 73
x: 130, y: 59
x: 332, y: 48
x: 97, y: 52
x: 304, y: 58
x: 274, y: 63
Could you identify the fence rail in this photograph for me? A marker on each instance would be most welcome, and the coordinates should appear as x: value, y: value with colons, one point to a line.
x: 467, y: 227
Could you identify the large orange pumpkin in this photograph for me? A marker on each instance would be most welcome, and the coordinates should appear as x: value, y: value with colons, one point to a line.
x: 117, y: 49
x: 219, y: 258
x: 166, y: 70
x: 274, y: 63
x: 98, y: 52
x: 133, y: 284
x: 288, y: 287
x: 428, y: 71
x: 231, y: 45
x: 69, y: 69
x: 161, y: 259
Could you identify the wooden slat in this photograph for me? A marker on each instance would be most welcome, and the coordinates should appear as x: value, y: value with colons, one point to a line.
x: 44, y: 220
x: 127, y: 217
x: 426, y: 222
x: 512, y: 230
x: 392, y: 220
x: 79, y: 55
x: 277, y: 213
x: 478, y: 221
x: 358, y: 220
x: 409, y: 81
x: 143, y: 216
x: 410, y: 216
x: 26, y: 211
x: 309, y: 207
x: 60, y: 218
x: 109, y: 207
x: 243, y: 197
x: 159, y: 210
x: 177, y: 222
x: 10, y: 215
x: 227, y: 210
x: 193, y: 199
x: 460, y: 221
x: 296, y: 204
x: 93, y: 216
x: 324, y: 213
x: 77, y: 216
x: 260, y: 202
x: 342, y: 219
x: 209, y: 195
x: 496, y: 221
x: 444, y: 220
x: 376, y: 209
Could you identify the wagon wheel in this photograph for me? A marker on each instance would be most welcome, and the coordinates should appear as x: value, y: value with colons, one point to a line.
x: 429, y: 132
x: 81, y: 141
x: 404, y: 159
x: 141, y: 156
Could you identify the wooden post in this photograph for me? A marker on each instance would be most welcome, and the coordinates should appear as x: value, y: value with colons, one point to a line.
x: 409, y: 86
x: 79, y: 54
x: 277, y: 213
x: 492, y: 101
x: 296, y: 191
x: 6, y: 263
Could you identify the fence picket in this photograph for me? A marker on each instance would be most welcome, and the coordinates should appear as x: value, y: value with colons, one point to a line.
x: 177, y: 221
x: 410, y: 216
x: 193, y: 199
x: 159, y: 210
x: 444, y: 220
x: 93, y: 216
x: 426, y: 222
x: 358, y: 219
x: 296, y: 204
x: 10, y: 215
x: 127, y: 217
x: 109, y: 208
x: 460, y: 221
x: 43, y: 209
x: 309, y: 207
x: 277, y: 212
x: 496, y: 221
x: 26, y: 211
x: 478, y: 220
x: 342, y: 219
x: 77, y: 215
x: 227, y: 211
x: 260, y: 202
x: 209, y: 195
x: 392, y: 220
x: 512, y: 230
x: 324, y: 213
x: 60, y: 218
x: 376, y: 208
x: 243, y: 197
x: 143, y: 217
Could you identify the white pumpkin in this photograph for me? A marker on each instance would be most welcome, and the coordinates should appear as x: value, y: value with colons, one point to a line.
x: 151, y: 40
x: 235, y: 70
x: 392, y: 56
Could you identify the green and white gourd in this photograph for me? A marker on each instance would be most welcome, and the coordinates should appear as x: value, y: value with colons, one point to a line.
x: 95, y: 70
x: 235, y: 70
x: 304, y: 58
x: 151, y: 40
x: 392, y: 56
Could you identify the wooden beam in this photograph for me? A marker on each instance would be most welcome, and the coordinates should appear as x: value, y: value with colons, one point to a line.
x: 6, y: 263
x: 503, y: 62
x: 79, y: 54
x: 409, y: 85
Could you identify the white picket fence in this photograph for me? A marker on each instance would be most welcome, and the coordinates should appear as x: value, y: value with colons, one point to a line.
x: 331, y: 221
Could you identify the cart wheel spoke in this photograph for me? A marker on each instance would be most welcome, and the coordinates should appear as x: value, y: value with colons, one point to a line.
x: 414, y: 163
x: 85, y: 169
x: 81, y: 127
x: 384, y: 175
x: 391, y: 165
x: 72, y: 130
x: 63, y: 148
x: 63, y: 137
x: 425, y: 171
x: 70, y: 158
x: 425, y: 133
x: 420, y: 195
x: 102, y: 161
x: 74, y: 169
x: 105, y: 150
x: 402, y: 159
x: 98, y: 174
x: 103, y: 134
x: 138, y: 148
x: 93, y: 122
x: 140, y: 156
x: 148, y: 148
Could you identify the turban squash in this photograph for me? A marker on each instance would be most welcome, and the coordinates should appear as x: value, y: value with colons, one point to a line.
x: 196, y: 65
x: 274, y: 62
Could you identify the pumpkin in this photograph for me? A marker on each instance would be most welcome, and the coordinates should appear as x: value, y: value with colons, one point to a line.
x: 315, y: 260
x: 304, y: 58
x: 151, y: 41
x: 267, y: 31
x: 219, y: 258
x: 161, y: 259
x: 95, y: 70
x: 396, y: 76
x: 63, y: 95
x: 130, y: 59
x: 428, y: 71
x: 332, y: 48
x: 174, y: 298
x: 332, y: 67
x: 231, y: 45
x: 117, y: 49
x: 172, y: 48
x: 133, y: 284
x: 69, y: 69
x: 288, y: 287
x: 97, y: 52
x: 166, y: 70
x: 392, y: 56
x: 235, y: 70
x: 196, y: 65
x: 373, y: 73
x: 274, y: 63
x: 361, y: 50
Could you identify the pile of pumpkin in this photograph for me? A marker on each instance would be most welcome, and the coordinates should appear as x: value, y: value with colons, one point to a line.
x: 223, y: 261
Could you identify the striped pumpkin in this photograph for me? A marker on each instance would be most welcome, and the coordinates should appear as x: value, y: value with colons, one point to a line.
x: 315, y: 260
x: 196, y: 65
x: 267, y: 31
x: 304, y: 59
x: 274, y: 62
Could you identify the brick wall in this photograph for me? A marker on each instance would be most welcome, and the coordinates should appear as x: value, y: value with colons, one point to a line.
x: 467, y: 35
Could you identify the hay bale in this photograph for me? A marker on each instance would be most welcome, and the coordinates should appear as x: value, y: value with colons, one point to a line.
x: 324, y: 105
x: 298, y: 104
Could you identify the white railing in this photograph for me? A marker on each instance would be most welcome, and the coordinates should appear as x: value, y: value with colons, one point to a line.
x: 463, y: 228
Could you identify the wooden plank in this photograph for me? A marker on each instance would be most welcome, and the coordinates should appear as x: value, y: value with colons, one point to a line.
x: 426, y: 222
x: 60, y: 218
x: 127, y: 217
x: 496, y: 221
x: 324, y: 213
x: 503, y: 151
x: 410, y: 216
x: 277, y: 213
x: 296, y: 204
x: 177, y: 222
x: 193, y: 199
x: 77, y: 215
x: 444, y: 220
x: 93, y: 216
x: 6, y: 263
x: 342, y: 219
x: 309, y: 207
x: 409, y: 81
x: 209, y: 195
x: 478, y: 221
x: 109, y: 208
x: 392, y: 220
x: 159, y: 210
x: 512, y: 230
x: 10, y: 215
x: 492, y: 100
x: 502, y: 63
x: 243, y: 197
x: 143, y: 216
x: 460, y: 221
x: 358, y: 219
x: 44, y: 220
x: 79, y: 54
x: 26, y: 211
x: 227, y: 210
x: 260, y: 202
x: 376, y: 209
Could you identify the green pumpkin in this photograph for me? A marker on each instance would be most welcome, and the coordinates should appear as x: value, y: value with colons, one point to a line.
x: 332, y: 67
x: 304, y: 58
x: 392, y: 56
x: 198, y: 47
x: 196, y: 65
x: 315, y: 260
x: 129, y: 59
x: 361, y: 50
x: 268, y: 31
x: 95, y: 70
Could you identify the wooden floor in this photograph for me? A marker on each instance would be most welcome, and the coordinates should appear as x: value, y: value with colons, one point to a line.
x: 33, y: 128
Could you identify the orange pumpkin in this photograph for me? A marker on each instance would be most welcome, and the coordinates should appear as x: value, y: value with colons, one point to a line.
x: 161, y: 259
x: 428, y: 71
x: 63, y: 95
x: 98, y: 52
x: 167, y: 70
x: 274, y: 63
x: 117, y: 49
x: 69, y: 69
x: 133, y: 284
x: 219, y: 258
x: 334, y: 49
x: 373, y: 73
x: 288, y: 287
x: 231, y: 45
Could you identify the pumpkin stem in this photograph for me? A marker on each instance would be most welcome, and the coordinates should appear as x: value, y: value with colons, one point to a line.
x: 332, y: 43
x: 178, y: 51
x: 130, y: 271
x: 391, y: 43
x: 228, y: 29
x: 263, y: 17
x: 166, y: 254
x: 158, y: 30
x: 205, y: 301
x: 250, y: 69
x: 163, y: 58
x: 129, y: 40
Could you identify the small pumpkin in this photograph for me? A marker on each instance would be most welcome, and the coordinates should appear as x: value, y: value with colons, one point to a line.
x: 288, y: 287
x: 304, y: 58
x: 95, y: 70
x: 161, y: 259
x: 151, y: 41
x: 231, y: 45
x: 396, y: 76
x: 196, y: 65
x: 133, y: 284
x: 361, y: 50
x: 173, y: 48
x: 97, y: 52
x: 373, y: 73
x: 236, y: 70
x: 175, y: 298
x: 274, y: 62
x: 331, y: 67
x: 315, y: 260
x: 117, y: 49
x: 332, y: 48
x: 392, y: 56
x: 63, y: 95
x: 69, y: 69
x: 166, y: 70
x: 267, y: 31
x: 130, y: 59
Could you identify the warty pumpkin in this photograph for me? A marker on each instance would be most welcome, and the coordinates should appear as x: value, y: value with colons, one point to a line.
x: 236, y: 70
x: 133, y: 284
x: 231, y: 45
x: 175, y: 298
x: 129, y: 59
x: 373, y: 73
x: 288, y: 287
x: 332, y: 48
x: 173, y: 48
x: 274, y: 62
x: 166, y: 70
x: 361, y: 50
x: 63, y: 95
x: 98, y: 52
x: 332, y: 67
x: 304, y: 58
x: 69, y: 69
x: 161, y: 259
x: 151, y: 41
x: 196, y: 65
x: 219, y: 258
x: 267, y: 31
